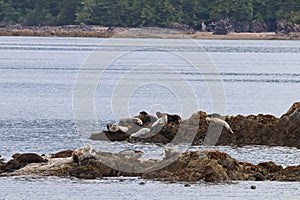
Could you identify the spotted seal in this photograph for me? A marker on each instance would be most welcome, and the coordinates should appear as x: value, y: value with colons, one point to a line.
x: 159, y: 124
x: 83, y: 153
x: 115, y: 128
x: 171, y: 117
x: 28, y: 158
x: 218, y: 122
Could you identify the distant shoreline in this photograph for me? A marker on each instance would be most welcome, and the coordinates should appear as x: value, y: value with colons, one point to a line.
x: 149, y: 32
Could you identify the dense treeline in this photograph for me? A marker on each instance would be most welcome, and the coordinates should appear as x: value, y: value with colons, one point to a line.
x: 135, y: 13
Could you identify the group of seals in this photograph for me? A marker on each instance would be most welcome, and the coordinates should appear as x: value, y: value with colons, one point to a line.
x: 145, y: 118
x: 151, y: 125
x: 20, y: 160
x: 154, y: 129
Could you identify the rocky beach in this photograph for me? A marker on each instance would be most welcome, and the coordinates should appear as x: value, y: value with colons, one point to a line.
x: 179, y: 31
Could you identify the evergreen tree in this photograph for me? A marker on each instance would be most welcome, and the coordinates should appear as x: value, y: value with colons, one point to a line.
x: 86, y: 12
x: 67, y: 13
x: 134, y: 13
x: 148, y: 14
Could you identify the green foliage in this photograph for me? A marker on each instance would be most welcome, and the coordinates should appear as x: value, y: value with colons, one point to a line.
x: 135, y: 13
x: 67, y: 13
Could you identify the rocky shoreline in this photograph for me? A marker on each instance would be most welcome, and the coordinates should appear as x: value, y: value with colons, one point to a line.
x: 146, y: 32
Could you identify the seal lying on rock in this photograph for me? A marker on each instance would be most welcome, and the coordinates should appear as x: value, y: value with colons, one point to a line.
x: 218, y: 122
x: 171, y: 118
x: 159, y: 124
x: 28, y: 158
x: 1, y: 159
x: 142, y: 133
x: 83, y: 153
x: 146, y: 118
x: 137, y: 121
x: 115, y: 128
x: 155, y: 128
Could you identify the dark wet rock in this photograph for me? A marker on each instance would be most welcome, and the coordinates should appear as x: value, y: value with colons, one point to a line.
x: 216, y: 166
x: 271, y: 167
x: 89, y: 169
x: 291, y: 173
x: 258, y: 129
x: 157, y: 138
x: 142, y: 183
x: 253, y: 187
x: 107, y: 135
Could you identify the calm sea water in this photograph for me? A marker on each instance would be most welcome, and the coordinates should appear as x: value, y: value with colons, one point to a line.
x: 40, y: 112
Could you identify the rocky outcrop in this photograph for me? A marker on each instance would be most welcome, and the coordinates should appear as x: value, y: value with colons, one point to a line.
x: 222, y: 27
x: 181, y: 27
x: 253, y: 27
x: 285, y: 28
x: 209, y: 166
x: 248, y: 130
x: 81, y: 30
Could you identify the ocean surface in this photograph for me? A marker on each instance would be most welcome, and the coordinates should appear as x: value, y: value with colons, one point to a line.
x: 55, y: 92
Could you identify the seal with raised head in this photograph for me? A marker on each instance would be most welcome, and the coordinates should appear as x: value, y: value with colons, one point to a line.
x: 137, y: 121
x: 83, y: 153
x: 159, y: 124
x: 218, y: 122
x: 171, y: 117
x: 28, y: 158
x: 146, y: 118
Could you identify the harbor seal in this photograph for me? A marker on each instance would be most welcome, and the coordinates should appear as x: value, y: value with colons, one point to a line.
x: 115, y: 128
x: 62, y: 154
x: 28, y: 158
x: 146, y: 118
x: 171, y: 117
x: 159, y: 124
x: 83, y: 153
x: 218, y: 122
x: 137, y: 121
x: 142, y: 133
